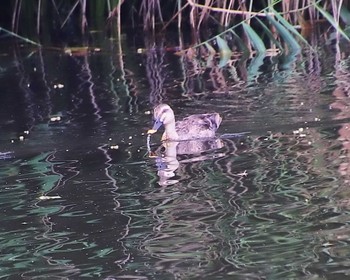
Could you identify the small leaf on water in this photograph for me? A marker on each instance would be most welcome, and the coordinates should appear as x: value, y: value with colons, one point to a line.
x: 76, y: 51
x: 47, y: 197
x: 58, y: 86
x: 141, y: 50
x: 55, y: 118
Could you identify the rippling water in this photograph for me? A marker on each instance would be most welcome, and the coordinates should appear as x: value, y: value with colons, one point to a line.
x: 81, y: 198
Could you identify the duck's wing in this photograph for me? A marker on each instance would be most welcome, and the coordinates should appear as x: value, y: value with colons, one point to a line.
x: 198, y: 146
x: 205, y: 121
x: 198, y: 126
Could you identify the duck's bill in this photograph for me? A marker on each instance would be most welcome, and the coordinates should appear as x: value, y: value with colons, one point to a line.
x: 157, y: 124
x: 151, y: 131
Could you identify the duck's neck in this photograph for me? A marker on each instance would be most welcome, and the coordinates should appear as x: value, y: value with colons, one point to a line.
x: 170, y: 132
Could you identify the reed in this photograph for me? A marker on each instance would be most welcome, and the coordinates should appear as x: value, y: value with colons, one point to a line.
x: 156, y: 15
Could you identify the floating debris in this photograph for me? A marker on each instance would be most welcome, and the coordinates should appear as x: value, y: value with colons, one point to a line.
x: 55, y: 119
x: 47, y: 197
x: 151, y: 131
x: 140, y: 50
x: 58, y: 86
x: 80, y: 51
x: 76, y: 51
x: 114, y: 147
x: 299, y: 132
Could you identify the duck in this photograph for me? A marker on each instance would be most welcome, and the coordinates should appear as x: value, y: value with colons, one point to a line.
x: 192, y: 127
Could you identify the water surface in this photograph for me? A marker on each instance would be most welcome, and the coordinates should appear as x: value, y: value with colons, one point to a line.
x: 81, y: 198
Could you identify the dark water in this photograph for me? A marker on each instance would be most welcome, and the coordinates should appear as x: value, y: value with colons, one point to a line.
x: 80, y: 197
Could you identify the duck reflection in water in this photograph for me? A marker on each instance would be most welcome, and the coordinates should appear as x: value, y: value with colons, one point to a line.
x: 193, y: 135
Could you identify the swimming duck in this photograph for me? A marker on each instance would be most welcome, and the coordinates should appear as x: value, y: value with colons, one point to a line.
x: 191, y: 127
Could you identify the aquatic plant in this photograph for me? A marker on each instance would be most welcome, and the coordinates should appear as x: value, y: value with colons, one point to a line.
x: 221, y: 26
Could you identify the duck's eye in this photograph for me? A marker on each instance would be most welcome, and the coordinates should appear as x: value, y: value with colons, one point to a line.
x: 165, y: 111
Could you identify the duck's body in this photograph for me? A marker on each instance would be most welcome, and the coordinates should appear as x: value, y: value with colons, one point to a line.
x: 191, y: 127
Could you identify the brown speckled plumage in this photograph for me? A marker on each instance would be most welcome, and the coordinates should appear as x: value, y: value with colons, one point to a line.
x: 191, y: 127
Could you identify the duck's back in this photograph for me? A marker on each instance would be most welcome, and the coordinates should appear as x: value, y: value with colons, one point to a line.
x: 198, y: 126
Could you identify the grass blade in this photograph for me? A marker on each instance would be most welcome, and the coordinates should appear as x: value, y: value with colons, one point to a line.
x: 225, y: 51
x: 286, y: 35
x: 211, y: 50
x: 257, y: 43
x: 290, y: 27
x: 331, y: 20
x: 269, y: 33
x: 19, y: 37
x: 240, y: 43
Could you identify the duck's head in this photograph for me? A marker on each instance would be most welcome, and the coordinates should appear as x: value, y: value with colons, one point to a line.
x: 162, y: 115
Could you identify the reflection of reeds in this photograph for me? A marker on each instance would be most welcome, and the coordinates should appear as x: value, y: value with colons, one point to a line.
x: 218, y: 27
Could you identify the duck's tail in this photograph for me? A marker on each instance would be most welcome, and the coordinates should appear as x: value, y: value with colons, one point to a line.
x: 216, y: 120
x: 211, y: 121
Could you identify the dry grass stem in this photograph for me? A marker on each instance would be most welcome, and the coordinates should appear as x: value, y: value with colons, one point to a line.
x: 223, y: 10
